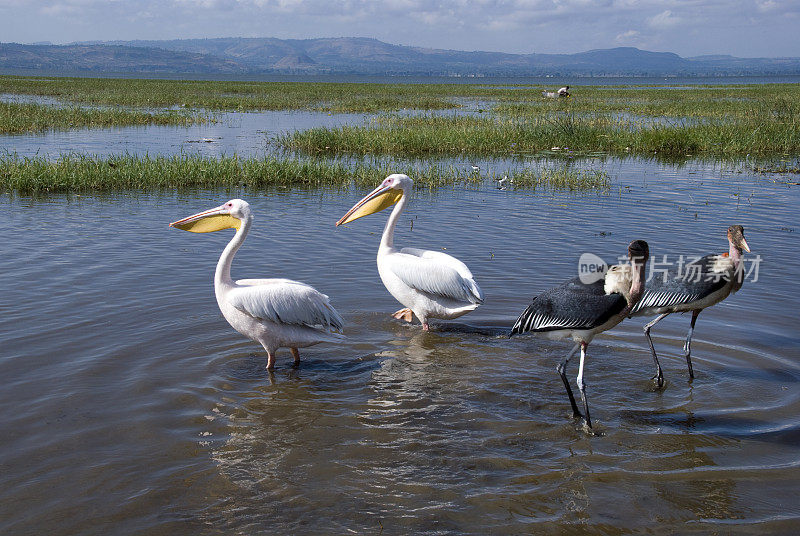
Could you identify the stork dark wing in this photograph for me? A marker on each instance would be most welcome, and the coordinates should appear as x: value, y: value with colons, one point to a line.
x: 572, y: 305
x: 682, y: 285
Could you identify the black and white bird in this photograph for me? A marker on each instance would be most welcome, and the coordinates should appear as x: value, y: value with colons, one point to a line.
x: 580, y: 310
x: 693, y: 287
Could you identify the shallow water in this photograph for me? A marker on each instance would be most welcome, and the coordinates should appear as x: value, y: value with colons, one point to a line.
x: 231, y: 133
x: 132, y: 407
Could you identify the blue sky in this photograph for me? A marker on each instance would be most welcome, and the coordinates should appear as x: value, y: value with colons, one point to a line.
x: 745, y: 28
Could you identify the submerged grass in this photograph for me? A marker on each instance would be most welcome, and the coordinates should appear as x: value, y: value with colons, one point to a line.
x: 561, y: 178
x: 18, y: 118
x: 79, y: 173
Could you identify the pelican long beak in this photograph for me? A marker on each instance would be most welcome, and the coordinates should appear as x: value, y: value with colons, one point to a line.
x: 377, y: 200
x: 215, y: 219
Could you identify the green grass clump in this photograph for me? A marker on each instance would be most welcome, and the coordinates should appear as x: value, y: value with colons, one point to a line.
x: 560, y: 178
x: 768, y: 132
x: 447, y: 135
x: 18, y: 118
x: 79, y: 173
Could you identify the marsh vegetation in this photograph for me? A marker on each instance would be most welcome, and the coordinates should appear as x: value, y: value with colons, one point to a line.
x: 19, y: 118
x: 409, y: 121
x: 767, y: 127
x: 80, y: 173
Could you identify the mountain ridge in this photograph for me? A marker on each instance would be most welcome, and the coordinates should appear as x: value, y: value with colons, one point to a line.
x: 363, y: 55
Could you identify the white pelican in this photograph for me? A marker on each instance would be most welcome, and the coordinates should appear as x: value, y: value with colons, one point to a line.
x: 430, y: 284
x: 693, y: 287
x: 277, y: 313
x: 580, y: 310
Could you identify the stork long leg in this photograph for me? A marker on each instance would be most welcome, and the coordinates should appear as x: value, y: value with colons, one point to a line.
x: 270, y: 360
x: 659, y: 376
x: 582, y: 386
x: 687, y: 347
x: 561, y: 368
x: 296, y: 356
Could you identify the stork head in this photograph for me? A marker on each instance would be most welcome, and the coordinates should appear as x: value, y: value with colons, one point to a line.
x: 638, y: 252
x: 736, y: 238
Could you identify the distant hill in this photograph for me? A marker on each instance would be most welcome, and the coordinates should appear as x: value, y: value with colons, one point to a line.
x: 355, y: 55
x: 110, y: 58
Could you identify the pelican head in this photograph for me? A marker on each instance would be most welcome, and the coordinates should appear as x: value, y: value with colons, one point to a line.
x: 229, y: 215
x: 736, y: 238
x: 387, y: 194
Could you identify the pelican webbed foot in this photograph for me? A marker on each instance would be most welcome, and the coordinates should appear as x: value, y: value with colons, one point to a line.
x: 404, y: 314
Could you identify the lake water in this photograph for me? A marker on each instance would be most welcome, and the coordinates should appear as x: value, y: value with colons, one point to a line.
x: 131, y: 407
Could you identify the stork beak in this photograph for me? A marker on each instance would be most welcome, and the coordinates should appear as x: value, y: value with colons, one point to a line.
x: 744, y: 245
x: 215, y: 219
x: 377, y: 200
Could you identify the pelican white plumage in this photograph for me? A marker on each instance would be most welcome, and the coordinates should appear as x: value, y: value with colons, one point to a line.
x: 430, y: 284
x: 277, y: 313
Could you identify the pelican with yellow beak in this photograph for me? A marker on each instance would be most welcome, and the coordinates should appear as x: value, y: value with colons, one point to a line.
x: 430, y: 284
x: 276, y: 313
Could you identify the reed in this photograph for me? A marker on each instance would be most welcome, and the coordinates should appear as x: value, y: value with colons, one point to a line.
x: 771, y: 131
x: 17, y: 118
x: 80, y: 173
x: 560, y: 178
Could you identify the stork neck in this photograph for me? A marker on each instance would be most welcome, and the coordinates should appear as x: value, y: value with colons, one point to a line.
x: 387, y: 240
x: 223, y: 273
x: 637, y: 286
x: 736, y: 255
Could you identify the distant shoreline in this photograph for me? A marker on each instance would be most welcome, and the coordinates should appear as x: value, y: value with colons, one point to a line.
x: 421, y: 79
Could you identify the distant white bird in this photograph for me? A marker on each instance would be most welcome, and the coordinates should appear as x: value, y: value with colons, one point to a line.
x: 503, y: 183
x: 475, y: 168
x: 562, y: 92
x: 277, y: 313
x: 430, y: 284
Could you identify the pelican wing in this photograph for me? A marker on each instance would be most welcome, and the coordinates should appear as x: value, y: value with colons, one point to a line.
x: 572, y: 305
x: 435, y: 273
x: 285, y: 302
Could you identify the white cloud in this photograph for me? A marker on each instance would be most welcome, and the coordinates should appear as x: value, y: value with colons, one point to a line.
x: 631, y: 37
x: 665, y: 19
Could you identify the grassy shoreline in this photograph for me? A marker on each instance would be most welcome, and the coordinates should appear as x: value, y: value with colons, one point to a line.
x: 78, y: 173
